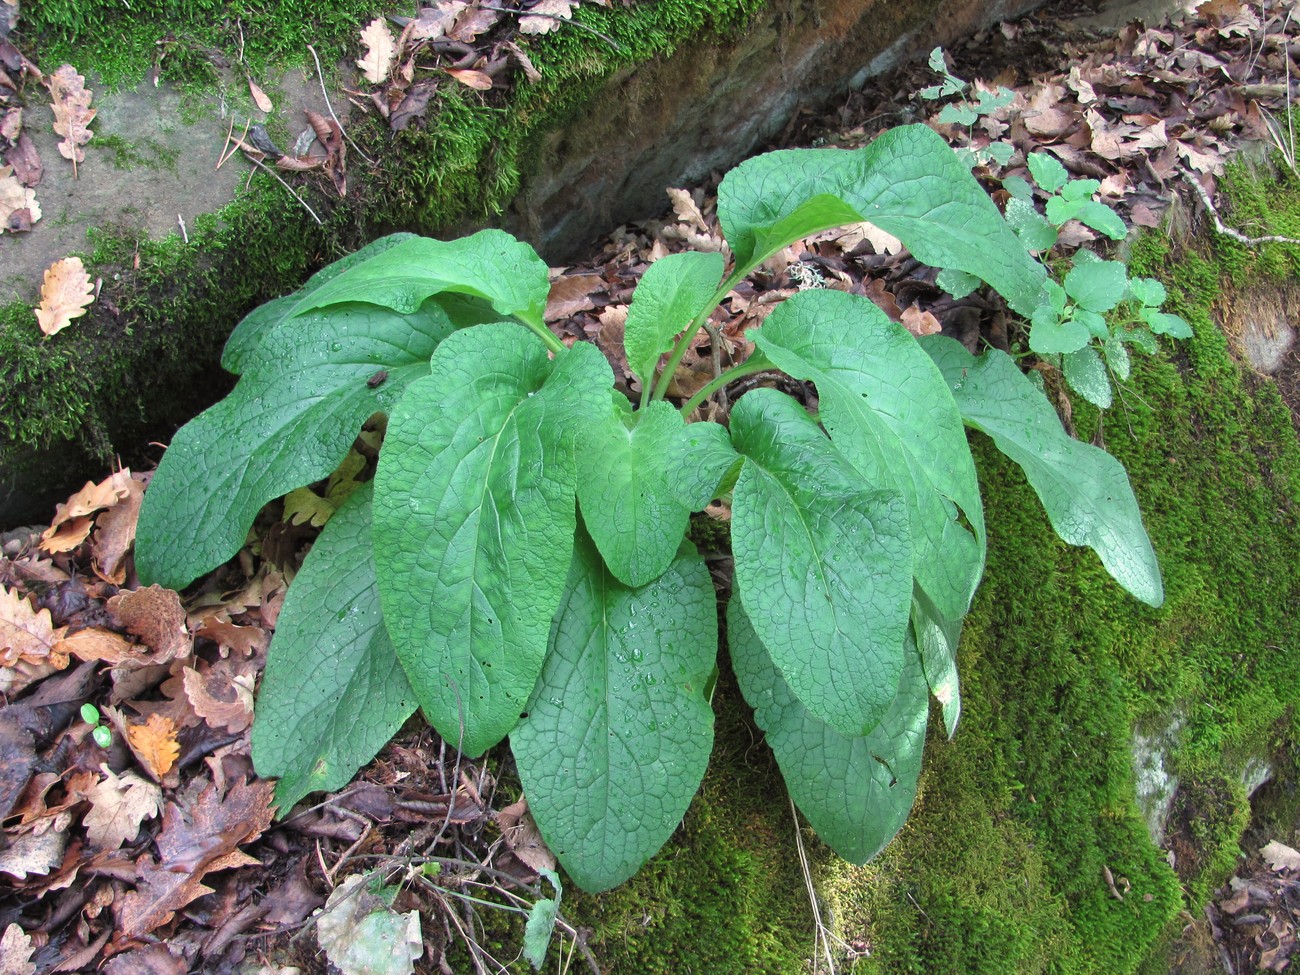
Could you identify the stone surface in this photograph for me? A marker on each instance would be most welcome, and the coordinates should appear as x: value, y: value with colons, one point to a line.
x: 151, y: 167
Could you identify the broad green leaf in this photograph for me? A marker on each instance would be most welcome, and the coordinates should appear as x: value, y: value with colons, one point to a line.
x: 474, y: 521
x: 856, y: 792
x: 1093, y: 322
x: 1019, y: 188
x: 1097, y: 286
x: 908, y: 182
x: 957, y: 283
x: 541, y: 922
x: 1163, y: 323
x: 889, y: 412
x: 1001, y: 152
x: 619, y: 730
x: 1148, y: 291
x: 1035, y: 233
x: 1117, y: 357
x: 1051, y: 336
x: 1079, y: 190
x: 334, y: 692
x: 707, y: 460
x: 289, y: 421
x: 1141, y: 337
x: 637, y: 484
x: 825, y: 563
x: 936, y: 639
x: 1084, y: 490
x: 1086, y: 374
x: 247, y: 335
x: 1100, y: 217
x: 1061, y: 211
x: 673, y: 290
x: 1047, y: 171
x: 489, y: 264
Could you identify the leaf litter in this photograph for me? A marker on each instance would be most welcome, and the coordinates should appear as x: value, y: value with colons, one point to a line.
x: 167, y: 834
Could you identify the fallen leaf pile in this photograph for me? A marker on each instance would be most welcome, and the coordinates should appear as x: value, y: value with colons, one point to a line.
x: 1257, y: 916
x: 463, y: 43
x: 21, y: 171
x: 167, y: 833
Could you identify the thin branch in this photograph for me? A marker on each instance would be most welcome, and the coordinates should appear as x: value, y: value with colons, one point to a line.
x: 564, y: 20
x: 321, y: 75
x: 1227, y: 231
x: 820, y: 935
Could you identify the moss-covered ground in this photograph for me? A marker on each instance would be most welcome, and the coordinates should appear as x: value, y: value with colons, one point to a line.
x: 74, y: 405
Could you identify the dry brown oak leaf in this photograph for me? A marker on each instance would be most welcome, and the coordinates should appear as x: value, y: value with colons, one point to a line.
x: 65, y: 295
x: 118, y: 805
x: 380, y: 51
x: 18, y: 206
x: 72, y: 112
x: 195, y: 840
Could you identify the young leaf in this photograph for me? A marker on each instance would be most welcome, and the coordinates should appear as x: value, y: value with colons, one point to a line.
x: 1100, y: 217
x: 673, y: 290
x: 957, y: 283
x: 1163, y: 323
x: 489, y: 264
x: 1047, y: 171
x: 541, y: 922
x: 619, y: 731
x: 334, y: 692
x: 474, y: 521
x: 908, y: 182
x: 288, y: 422
x: 888, y: 411
x: 855, y: 791
x: 1097, y: 286
x: 1085, y: 490
x: 1117, y: 357
x: 1147, y: 291
x: 1086, y: 374
x: 1052, y: 336
x: 636, y: 485
x: 1035, y: 233
x: 244, y: 340
x: 825, y: 564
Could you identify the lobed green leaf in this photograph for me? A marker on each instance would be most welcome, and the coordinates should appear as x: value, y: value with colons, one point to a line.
x: 888, y: 410
x: 856, y: 791
x: 289, y: 421
x: 619, y: 730
x: 825, y: 564
x: 333, y: 692
x: 907, y: 182
x: 474, y: 521
x: 1084, y: 490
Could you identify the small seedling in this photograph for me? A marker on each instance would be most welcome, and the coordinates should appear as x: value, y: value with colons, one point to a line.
x: 99, y: 731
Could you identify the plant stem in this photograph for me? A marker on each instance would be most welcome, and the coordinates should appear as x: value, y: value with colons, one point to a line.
x: 679, y: 350
x: 755, y: 363
x: 546, y: 335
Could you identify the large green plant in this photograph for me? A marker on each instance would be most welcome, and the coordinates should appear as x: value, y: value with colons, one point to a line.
x: 518, y: 567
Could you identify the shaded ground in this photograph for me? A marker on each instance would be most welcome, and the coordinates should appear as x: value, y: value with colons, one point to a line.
x: 108, y: 849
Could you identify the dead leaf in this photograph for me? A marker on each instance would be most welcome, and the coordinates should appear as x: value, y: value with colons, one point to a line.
x: 72, y: 112
x: 247, y: 640
x: 156, y: 617
x: 520, y: 58
x: 99, y: 644
x: 304, y: 506
x: 360, y: 932
x: 569, y: 295
x: 920, y: 322
x: 27, y: 634
x: 259, y: 98
x: 36, y: 853
x: 154, y: 744
x: 15, y: 198
x: 380, y: 51
x: 686, y: 210
x: 220, y: 699
x: 198, y: 836
x: 16, y: 952
x: 472, y: 21
x: 545, y: 16
x: 523, y: 837
x: 118, y: 805
x: 472, y: 79
x: 65, y: 295
x: 115, y: 534
x: 1281, y: 857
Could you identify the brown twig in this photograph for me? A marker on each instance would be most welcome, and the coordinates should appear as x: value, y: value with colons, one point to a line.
x: 262, y: 165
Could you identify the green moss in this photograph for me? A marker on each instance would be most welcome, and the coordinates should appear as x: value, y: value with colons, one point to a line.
x: 150, y: 153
